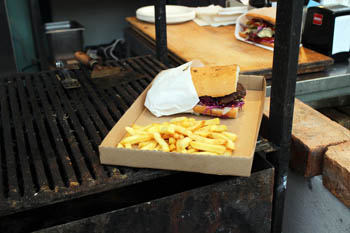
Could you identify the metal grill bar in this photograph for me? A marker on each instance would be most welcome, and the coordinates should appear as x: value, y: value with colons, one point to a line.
x: 101, y: 106
x: 92, y: 119
x: 137, y: 87
x: 9, y: 175
x: 116, y: 111
x: 60, y: 131
x: 47, y: 129
x: 113, y: 110
x: 152, y: 64
x: 92, y: 123
x: 145, y: 70
x: 125, y: 96
x: 98, y: 125
x: 116, y: 106
x: 105, y: 111
x: 37, y: 166
x: 129, y: 65
x: 23, y: 169
x: 67, y: 125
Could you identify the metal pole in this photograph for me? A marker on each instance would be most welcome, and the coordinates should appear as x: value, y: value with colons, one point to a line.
x: 284, y: 73
x: 161, y: 38
x: 7, y: 53
x: 38, y: 34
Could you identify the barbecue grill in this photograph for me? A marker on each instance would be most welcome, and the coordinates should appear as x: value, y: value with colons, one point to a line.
x: 51, y: 181
x: 50, y: 172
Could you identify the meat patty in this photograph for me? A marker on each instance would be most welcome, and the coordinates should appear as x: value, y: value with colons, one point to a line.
x: 236, y: 96
x: 225, y: 101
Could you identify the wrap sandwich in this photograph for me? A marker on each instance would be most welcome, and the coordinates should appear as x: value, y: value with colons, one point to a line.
x: 258, y: 26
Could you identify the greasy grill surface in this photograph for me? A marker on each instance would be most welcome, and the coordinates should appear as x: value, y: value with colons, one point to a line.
x: 49, y: 136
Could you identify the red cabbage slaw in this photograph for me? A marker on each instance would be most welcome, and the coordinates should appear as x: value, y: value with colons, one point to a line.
x: 212, y: 103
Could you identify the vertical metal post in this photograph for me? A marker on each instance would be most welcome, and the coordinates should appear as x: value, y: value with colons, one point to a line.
x: 7, y: 53
x: 38, y: 34
x: 284, y: 73
x: 161, y: 38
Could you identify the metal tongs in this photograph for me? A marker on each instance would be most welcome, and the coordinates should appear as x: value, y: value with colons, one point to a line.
x: 65, y: 78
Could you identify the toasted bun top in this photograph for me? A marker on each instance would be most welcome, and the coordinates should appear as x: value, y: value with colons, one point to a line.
x: 266, y: 13
x: 215, y: 81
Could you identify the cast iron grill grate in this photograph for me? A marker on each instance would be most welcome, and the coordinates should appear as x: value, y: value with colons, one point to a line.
x: 49, y: 135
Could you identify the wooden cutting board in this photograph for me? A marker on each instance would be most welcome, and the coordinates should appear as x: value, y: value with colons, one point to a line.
x: 218, y: 46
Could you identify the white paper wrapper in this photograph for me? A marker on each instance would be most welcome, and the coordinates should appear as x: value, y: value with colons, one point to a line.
x: 172, y: 92
x: 242, y: 20
x: 216, y: 16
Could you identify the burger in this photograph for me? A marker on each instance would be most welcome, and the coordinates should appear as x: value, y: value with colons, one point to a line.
x: 260, y: 26
x: 219, y: 91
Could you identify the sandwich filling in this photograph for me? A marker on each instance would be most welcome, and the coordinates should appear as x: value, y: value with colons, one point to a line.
x: 233, y: 100
x: 258, y: 30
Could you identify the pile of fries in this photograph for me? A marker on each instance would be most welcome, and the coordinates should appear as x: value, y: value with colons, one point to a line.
x: 183, y: 135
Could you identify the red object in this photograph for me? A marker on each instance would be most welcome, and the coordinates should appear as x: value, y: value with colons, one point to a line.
x: 318, y: 18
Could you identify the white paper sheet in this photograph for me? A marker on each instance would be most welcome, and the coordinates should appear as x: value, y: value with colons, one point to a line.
x: 200, y: 22
x: 172, y: 92
x: 216, y: 16
x: 341, y: 36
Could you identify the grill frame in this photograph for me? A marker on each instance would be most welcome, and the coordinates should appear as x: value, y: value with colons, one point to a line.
x: 225, y: 204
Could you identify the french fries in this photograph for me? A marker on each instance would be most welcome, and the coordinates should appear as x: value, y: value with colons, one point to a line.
x: 136, y: 139
x: 182, y: 135
x: 161, y: 142
x: 208, y: 147
x: 149, y: 146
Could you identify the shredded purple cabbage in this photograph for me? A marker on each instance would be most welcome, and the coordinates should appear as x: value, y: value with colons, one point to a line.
x: 209, y: 108
x: 212, y: 103
x: 261, y: 27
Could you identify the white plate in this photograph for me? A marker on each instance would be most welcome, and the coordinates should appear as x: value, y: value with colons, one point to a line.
x: 174, y: 14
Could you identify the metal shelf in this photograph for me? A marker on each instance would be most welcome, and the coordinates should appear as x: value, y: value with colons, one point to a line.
x: 333, y: 82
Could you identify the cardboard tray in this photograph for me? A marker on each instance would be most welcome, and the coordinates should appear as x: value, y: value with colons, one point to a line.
x: 246, y: 126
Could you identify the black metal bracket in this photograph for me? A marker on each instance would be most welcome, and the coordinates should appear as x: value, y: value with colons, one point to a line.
x: 284, y: 74
x: 161, y: 34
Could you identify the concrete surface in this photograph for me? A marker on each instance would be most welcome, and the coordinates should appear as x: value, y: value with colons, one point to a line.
x: 311, y: 208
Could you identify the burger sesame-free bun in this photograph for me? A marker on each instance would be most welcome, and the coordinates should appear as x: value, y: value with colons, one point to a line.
x: 215, y: 81
x: 266, y: 13
x: 201, y: 109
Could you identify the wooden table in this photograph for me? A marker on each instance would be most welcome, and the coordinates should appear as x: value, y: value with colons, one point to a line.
x: 218, y: 46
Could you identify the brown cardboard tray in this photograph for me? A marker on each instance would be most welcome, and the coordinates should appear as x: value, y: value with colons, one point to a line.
x: 246, y: 126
